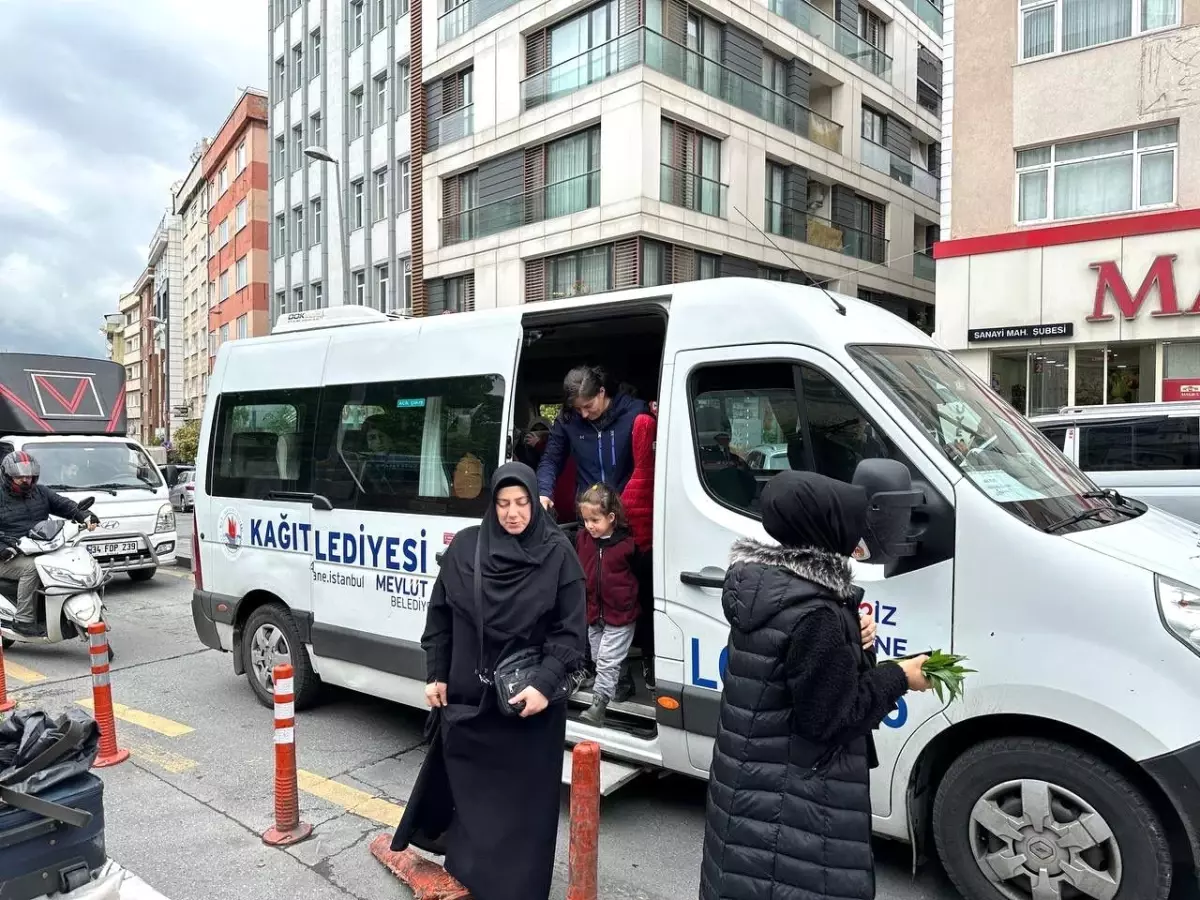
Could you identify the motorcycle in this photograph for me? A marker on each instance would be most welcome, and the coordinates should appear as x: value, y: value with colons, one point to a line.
x: 69, y: 599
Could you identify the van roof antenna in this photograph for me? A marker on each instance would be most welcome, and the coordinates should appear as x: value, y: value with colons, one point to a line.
x: 838, y: 305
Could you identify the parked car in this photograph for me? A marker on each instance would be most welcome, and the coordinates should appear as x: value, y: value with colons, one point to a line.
x: 769, y: 458
x: 1150, y: 451
x: 183, y: 493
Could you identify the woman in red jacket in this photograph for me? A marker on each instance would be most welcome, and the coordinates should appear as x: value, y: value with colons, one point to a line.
x: 609, y: 557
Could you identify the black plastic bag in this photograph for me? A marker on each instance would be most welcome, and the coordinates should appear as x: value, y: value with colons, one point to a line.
x: 26, y: 735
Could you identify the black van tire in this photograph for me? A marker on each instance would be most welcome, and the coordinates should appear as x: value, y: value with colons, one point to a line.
x: 306, y: 683
x: 7, y: 642
x: 1145, y: 857
x: 142, y: 574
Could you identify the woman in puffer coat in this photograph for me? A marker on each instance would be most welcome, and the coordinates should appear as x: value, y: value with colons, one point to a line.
x: 789, y: 807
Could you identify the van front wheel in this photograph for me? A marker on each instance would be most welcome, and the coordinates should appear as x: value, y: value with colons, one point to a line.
x: 1031, y: 819
x: 269, y: 639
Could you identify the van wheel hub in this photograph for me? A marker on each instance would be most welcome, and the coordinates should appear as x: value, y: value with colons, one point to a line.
x: 1037, y: 841
x: 268, y: 649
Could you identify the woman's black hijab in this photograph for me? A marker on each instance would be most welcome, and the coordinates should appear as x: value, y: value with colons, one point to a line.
x: 521, y: 573
x: 803, y: 509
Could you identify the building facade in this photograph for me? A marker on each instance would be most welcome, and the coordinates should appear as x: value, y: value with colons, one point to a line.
x: 137, y: 359
x: 553, y: 149
x: 1070, y: 273
x: 191, y: 206
x: 236, y: 169
x: 166, y: 321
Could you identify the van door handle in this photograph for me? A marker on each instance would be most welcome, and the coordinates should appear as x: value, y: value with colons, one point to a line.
x: 695, y: 579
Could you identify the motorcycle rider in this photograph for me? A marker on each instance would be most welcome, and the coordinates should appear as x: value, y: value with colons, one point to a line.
x: 23, y: 504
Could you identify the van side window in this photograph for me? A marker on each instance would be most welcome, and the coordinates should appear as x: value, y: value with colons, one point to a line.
x: 1057, y: 435
x: 427, y: 446
x: 1172, y: 443
x: 263, y: 442
x: 753, y: 420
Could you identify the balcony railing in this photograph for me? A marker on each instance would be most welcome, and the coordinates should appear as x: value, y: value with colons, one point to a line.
x: 820, y: 232
x: 881, y: 159
x: 833, y: 34
x: 692, y: 191
x: 930, y: 13
x: 923, y: 266
x: 451, y: 127
x: 675, y: 60
x: 571, y: 195
x: 458, y: 20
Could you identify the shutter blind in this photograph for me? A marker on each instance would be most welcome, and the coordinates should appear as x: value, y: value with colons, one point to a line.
x: 675, y: 16
x: 469, y: 292
x: 535, y: 280
x: 537, y: 52
x: 683, y: 159
x: 683, y: 265
x: 451, y: 201
x: 535, y: 184
x: 627, y: 263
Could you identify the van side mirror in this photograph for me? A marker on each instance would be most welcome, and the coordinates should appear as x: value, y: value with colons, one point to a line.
x: 87, y: 503
x: 891, y: 499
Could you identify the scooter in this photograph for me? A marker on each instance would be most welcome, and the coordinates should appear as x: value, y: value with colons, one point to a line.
x: 72, y: 581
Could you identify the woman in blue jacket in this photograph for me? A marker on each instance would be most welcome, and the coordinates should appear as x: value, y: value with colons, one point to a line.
x: 595, y: 429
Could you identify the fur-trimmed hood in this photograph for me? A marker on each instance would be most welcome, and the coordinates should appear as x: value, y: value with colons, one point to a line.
x: 788, y: 575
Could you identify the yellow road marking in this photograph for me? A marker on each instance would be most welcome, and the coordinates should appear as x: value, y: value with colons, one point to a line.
x: 144, y: 719
x: 164, y: 759
x: 351, y: 799
x: 20, y: 673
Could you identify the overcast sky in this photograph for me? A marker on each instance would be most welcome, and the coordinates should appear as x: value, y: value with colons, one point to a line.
x: 101, y: 103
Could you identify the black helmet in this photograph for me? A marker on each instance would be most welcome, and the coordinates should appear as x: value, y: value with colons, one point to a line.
x: 19, y: 464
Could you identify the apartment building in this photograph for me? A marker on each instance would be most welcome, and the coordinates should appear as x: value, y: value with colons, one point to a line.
x: 550, y: 149
x: 238, y: 271
x: 1070, y: 273
x: 131, y: 306
x: 165, y: 320
x: 191, y: 206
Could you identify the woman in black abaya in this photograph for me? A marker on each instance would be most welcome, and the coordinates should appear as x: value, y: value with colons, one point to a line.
x: 489, y: 791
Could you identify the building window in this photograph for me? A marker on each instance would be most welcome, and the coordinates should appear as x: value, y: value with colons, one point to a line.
x: 381, y: 287
x: 297, y: 67
x: 405, y: 169
x: 223, y: 232
x: 380, y: 14
x: 314, y: 53
x: 356, y: 23
x: 297, y: 146
x: 242, y: 270
x: 241, y: 157
x: 654, y: 263
x: 581, y: 272
x: 356, y: 113
x: 359, y: 284
x: 873, y: 125
x: 708, y: 265
x: 316, y: 290
x: 280, y: 79
x: 356, y: 204
x: 1060, y: 26
x: 316, y: 132
x: 381, y: 194
x: 224, y: 335
x: 314, y: 225
x: 222, y: 180
x: 223, y: 285
x: 1099, y: 176
x: 298, y: 226
x: 280, y: 235
x: 776, y: 178
x: 404, y: 79
x: 572, y: 173
x: 404, y: 7
x: 872, y: 29
x: 691, y: 169
x: 298, y: 299
x: 406, y: 299
x: 243, y: 326
x: 379, y: 113
x: 280, y: 157
x: 280, y: 303
x: 239, y: 217
x: 774, y: 74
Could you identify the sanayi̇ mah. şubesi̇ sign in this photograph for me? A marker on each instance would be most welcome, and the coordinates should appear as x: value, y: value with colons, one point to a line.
x: 1021, y: 332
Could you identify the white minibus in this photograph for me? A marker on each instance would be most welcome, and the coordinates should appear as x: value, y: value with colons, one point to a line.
x: 1070, y: 769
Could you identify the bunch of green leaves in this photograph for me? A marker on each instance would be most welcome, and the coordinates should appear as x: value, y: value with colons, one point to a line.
x: 946, y: 673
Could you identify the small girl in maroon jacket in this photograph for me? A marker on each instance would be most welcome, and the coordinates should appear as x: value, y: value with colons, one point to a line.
x: 609, y: 557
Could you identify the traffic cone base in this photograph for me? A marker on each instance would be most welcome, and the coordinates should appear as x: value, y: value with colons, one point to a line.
x: 8, y: 706
x: 103, y: 761
x: 273, y: 837
x: 426, y: 879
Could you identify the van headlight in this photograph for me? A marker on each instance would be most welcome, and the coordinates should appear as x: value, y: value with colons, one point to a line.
x: 1179, y: 605
x: 166, y: 519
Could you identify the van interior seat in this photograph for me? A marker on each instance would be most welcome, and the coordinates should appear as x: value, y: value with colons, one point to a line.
x: 255, y: 454
x: 287, y: 458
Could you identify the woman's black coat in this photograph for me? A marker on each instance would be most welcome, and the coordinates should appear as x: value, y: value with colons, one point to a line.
x: 789, y: 811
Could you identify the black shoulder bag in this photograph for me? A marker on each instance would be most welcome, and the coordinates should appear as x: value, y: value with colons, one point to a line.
x: 515, y: 672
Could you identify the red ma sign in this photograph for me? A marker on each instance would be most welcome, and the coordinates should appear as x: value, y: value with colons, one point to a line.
x: 1109, y: 280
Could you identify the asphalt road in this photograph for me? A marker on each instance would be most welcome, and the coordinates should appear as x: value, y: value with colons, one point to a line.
x: 186, y: 811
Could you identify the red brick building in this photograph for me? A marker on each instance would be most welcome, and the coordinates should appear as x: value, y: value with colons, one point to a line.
x: 235, y: 166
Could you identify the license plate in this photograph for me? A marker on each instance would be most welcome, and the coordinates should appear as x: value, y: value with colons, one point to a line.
x: 116, y: 548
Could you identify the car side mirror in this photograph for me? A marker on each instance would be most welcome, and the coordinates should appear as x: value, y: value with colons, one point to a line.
x: 891, y: 499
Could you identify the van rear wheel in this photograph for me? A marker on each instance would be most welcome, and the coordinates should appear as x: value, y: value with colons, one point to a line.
x: 7, y: 642
x: 1032, y: 819
x: 269, y: 639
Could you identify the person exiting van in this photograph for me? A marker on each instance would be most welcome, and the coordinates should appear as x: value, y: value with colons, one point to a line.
x: 789, y: 805
x: 610, y: 563
x: 595, y: 429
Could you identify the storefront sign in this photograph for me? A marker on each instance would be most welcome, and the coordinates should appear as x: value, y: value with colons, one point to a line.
x: 1022, y: 332
x: 1110, y: 281
x: 1181, y: 389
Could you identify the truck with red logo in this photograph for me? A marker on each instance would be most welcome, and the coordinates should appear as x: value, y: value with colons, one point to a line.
x: 68, y: 413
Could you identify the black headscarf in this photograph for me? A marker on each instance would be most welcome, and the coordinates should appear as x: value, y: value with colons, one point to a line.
x: 522, y: 573
x: 803, y: 509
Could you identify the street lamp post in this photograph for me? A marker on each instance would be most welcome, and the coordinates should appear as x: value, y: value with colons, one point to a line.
x: 322, y: 155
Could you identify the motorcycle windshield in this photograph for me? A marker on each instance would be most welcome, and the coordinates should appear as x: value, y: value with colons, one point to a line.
x: 47, y: 531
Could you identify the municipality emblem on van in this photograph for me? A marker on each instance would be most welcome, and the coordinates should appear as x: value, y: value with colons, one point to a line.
x: 230, y: 532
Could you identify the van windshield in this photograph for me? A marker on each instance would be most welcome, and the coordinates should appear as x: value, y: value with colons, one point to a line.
x: 990, y: 442
x: 109, y: 466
